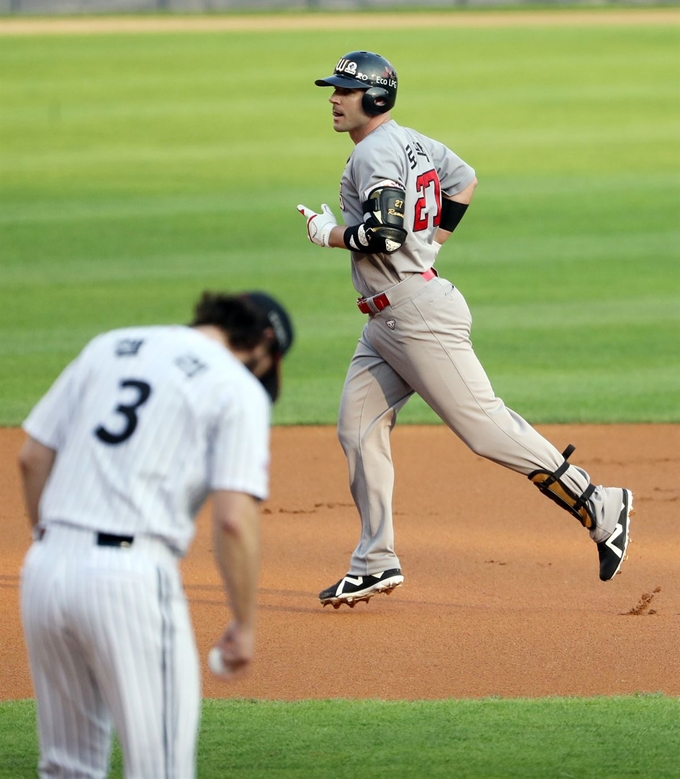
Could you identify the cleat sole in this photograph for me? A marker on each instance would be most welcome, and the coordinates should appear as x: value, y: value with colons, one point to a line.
x: 352, y: 601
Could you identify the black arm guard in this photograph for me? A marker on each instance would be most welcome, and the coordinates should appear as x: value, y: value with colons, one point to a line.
x: 452, y: 213
x: 383, y: 227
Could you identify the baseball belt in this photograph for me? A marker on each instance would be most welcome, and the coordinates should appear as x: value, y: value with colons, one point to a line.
x: 378, y: 302
x: 100, y: 539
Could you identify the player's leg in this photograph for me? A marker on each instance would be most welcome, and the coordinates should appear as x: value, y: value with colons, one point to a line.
x: 433, y: 352
x: 73, y: 723
x: 146, y: 662
x: 372, y: 396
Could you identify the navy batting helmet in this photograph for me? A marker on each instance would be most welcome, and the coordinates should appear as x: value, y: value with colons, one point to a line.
x: 369, y: 71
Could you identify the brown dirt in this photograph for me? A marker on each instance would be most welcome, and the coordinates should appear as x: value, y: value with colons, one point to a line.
x: 335, y: 21
x: 501, y: 594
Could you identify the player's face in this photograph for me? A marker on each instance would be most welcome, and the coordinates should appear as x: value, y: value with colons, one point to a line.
x: 260, y: 360
x: 348, y: 115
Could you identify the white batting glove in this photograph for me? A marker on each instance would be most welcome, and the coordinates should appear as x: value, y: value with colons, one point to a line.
x: 319, y: 226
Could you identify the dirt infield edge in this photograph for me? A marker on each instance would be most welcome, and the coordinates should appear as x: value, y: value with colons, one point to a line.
x: 334, y: 21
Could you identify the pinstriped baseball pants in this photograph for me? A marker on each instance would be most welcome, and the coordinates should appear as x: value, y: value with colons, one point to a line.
x: 421, y: 343
x: 110, y: 644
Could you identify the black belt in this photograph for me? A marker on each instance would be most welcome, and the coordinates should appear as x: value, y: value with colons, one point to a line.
x: 108, y: 539
x: 103, y: 539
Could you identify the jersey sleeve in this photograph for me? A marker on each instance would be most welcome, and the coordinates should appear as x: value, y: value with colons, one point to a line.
x: 48, y: 421
x: 454, y: 174
x: 239, y: 447
x: 373, y: 163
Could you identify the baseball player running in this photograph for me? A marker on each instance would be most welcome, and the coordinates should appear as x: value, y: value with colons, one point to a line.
x: 402, y: 194
x: 122, y: 451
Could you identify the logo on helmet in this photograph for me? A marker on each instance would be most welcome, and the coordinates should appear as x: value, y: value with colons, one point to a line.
x: 387, y: 82
x: 348, y: 67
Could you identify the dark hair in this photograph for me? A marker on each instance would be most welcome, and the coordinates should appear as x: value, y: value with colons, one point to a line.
x: 244, y: 318
x: 243, y: 322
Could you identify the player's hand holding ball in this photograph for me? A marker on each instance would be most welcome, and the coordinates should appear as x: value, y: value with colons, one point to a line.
x: 216, y: 663
x: 319, y: 226
x: 233, y: 653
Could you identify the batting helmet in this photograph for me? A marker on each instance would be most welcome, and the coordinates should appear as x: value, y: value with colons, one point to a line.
x: 369, y: 71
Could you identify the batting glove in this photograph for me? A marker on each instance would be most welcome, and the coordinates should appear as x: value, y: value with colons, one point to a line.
x: 319, y: 226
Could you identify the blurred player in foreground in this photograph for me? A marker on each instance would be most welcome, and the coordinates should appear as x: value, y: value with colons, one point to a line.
x: 121, y: 453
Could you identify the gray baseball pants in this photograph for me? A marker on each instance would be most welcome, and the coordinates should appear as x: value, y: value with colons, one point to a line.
x: 421, y: 343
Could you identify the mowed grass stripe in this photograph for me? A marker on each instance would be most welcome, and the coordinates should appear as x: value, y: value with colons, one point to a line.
x: 138, y: 170
x: 598, y: 738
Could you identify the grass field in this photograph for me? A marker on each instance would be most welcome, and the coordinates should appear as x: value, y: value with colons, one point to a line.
x: 137, y: 170
x: 596, y: 738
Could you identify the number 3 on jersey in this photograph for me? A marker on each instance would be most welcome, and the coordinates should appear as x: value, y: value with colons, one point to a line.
x: 429, y: 201
x: 127, y: 410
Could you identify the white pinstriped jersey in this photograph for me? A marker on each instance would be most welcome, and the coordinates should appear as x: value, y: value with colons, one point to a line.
x: 426, y: 169
x: 146, y: 421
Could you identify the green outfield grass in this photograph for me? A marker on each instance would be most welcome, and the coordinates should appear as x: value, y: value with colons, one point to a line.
x: 586, y: 738
x: 137, y: 170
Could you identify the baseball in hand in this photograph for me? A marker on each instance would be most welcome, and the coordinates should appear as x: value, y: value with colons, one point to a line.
x: 216, y: 664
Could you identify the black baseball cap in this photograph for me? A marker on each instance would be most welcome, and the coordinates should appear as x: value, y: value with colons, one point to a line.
x: 281, y: 324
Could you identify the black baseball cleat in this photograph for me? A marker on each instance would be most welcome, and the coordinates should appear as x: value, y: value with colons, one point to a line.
x: 612, y: 552
x: 353, y: 589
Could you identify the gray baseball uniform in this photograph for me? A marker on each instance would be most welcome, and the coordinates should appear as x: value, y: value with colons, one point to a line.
x: 400, y: 192
x: 421, y: 343
x: 146, y: 422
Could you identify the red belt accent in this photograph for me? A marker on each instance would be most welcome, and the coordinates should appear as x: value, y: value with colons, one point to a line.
x: 379, y: 301
x: 382, y: 301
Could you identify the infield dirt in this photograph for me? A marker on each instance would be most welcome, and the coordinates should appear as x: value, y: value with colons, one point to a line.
x: 501, y: 594
x: 344, y: 20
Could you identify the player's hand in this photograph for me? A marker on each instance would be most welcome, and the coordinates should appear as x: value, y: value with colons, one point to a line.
x: 319, y: 226
x: 236, y: 645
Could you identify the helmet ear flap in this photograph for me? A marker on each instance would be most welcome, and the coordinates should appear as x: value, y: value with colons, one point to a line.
x: 377, y: 100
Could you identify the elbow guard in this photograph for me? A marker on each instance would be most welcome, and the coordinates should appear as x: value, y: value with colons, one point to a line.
x: 383, y: 226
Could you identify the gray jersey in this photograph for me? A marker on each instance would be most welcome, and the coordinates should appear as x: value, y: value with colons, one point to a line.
x: 162, y: 416
x: 426, y: 169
